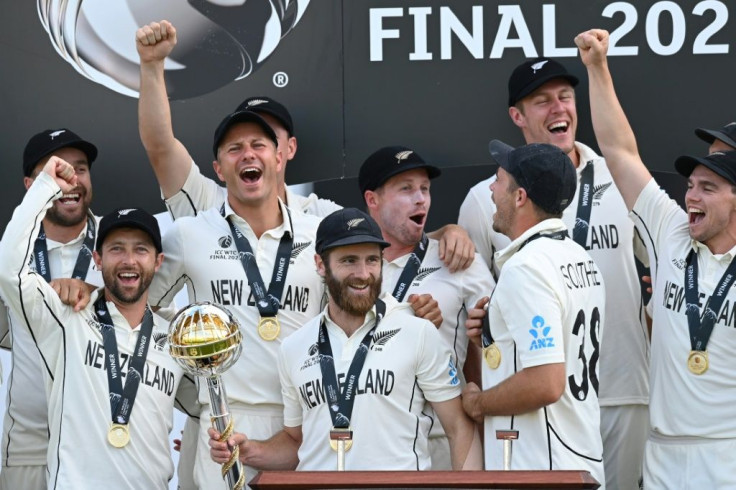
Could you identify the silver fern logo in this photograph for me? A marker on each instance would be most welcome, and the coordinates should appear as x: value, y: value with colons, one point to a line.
x: 354, y: 222
x: 598, y: 192
x: 538, y: 66
x: 56, y: 133
x: 226, y: 39
x: 125, y: 212
x: 379, y: 340
x: 256, y: 102
x: 298, y: 248
x: 403, y: 155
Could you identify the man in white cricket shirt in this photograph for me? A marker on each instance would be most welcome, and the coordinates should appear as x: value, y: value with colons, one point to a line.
x: 108, y: 376
x: 542, y: 104
x: 62, y: 250
x: 545, y: 321
x: 395, y: 183
x: 365, y: 364
x: 693, y: 388
x: 254, y: 256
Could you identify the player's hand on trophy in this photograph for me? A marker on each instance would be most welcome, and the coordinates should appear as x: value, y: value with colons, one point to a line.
x: 474, y: 322
x: 425, y: 306
x: 593, y: 46
x: 155, y: 41
x: 457, y: 251
x: 62, y: 172
x: 220, y: 450
x: 73, y: 292
x: 471, y: 402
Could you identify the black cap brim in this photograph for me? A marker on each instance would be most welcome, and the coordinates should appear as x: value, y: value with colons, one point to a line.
x: 709, y: 136
x: 432, y: 171
x: 500, y: 152
x: 242, y: 117
x: 354, y: 240
x: 155, y: 235
x: 541, y: 81
x: 686, y: 164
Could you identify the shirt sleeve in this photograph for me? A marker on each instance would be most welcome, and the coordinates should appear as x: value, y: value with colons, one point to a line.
x: 292, y: 407
x: 532, y: 311
x: 477, y: 282
x: 437, y: 374
x: 474, y: 219
x: 199, y: 193
x: 170, y: 277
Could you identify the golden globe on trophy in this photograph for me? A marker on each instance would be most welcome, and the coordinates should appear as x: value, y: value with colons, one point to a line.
x: 204, y: 339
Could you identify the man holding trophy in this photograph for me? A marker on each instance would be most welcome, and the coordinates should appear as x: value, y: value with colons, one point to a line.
x: 111, y: 385
x: 355, y: 378
x: 253, y: 256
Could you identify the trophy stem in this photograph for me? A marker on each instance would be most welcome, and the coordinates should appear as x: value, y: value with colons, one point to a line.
x: 232, y: 470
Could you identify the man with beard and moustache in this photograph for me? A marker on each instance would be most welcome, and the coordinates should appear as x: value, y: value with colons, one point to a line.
x: 395, y: 184
x: 367, y: 356
x: 62, y: 250
x: 108, y: 378
x: 541, y: 100
x: 543, y: 325
x: 693, y: 431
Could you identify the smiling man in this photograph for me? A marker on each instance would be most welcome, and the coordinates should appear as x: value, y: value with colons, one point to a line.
x: 395, y: 182
x: 63, y: 249
x: 254, y: 256
x: 542, y: 105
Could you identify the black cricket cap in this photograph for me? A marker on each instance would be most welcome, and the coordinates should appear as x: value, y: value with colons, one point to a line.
x: 129, y: 218
x: 727, y: 134
x: 266, y: 105
x: 242, y: 117
x: 530, y: 75
x: 721, y: 162
x: 544, y: 171
x: 389, y: 161
x: 50, y: 140
x: 348, y: 226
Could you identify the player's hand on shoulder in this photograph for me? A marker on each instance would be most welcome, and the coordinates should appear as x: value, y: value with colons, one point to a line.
x: 62, y: 172
x: 474, y: 322
x: 425, y: 306
x: 73, y: 292
x: 220, y: 450
x: 155, y: 41
x: 457, y: 250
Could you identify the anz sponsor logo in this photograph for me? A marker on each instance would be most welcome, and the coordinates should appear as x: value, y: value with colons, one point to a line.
x: 540, y: 335
x: 154, y: 376
x: 673, y: 299
x: 452, y: 373
x: 232, y: 292
x: 374, y: 382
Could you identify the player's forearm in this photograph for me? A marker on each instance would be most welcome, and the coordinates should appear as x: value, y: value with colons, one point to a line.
x: 526, y: 391
x: 466, y: 451
x: 615, y: 136
x: 278, y: 453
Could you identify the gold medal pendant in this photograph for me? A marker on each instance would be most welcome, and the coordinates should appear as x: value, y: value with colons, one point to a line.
x: 118, y: 436
x: 697, y: 361
x: 341, y: 434
x: 492, y: 355
x: 269, y: 328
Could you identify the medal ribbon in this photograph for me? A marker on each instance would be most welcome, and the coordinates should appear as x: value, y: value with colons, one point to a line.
x: 341, y: 402
x: 585, y: 205
x: 700, y: 330
x: 411, y: 268
x: 485, y: 331
x: 268, y: 303
x: 123, y: 399
x: 41, y: 253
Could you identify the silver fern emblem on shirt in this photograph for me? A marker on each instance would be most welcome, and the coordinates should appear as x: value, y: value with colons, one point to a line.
x: 381, y: 338
x: 425, y: 272
x: 159, y: 339
x: 403, y: 155
x: 599, y: 190
x: 298, y: 248
x: 538, y: 66
x: 355, y: 222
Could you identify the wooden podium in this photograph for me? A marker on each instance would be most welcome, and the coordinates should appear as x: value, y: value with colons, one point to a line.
x: 303, y: 480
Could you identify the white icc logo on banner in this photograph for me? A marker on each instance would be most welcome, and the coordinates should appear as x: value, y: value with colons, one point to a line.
x: 219, y: 41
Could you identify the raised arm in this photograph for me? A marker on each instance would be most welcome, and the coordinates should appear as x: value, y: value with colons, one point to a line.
x: 168, y: 156
x: 612, y: 130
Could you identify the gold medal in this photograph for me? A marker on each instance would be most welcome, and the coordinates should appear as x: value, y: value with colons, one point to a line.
x: 492, y: 355
x: 118, y: 435
x: 269, y: 328
x: 348, y: 438
x: 697, y: 361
